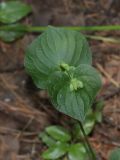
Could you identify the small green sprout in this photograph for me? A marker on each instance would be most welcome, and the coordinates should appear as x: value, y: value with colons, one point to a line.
x: 75, y: 73
x: 75, y: 84
x: 64, y: 67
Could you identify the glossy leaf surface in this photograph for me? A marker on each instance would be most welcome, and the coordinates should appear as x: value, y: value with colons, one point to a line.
x: 77, y: 152
x: 53, y: 47
x: 56, y: 151
x: 58, y: 133
x: 74, y: 103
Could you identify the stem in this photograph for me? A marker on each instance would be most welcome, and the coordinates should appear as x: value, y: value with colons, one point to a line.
x: 38, y: 29
x: 92, y: 154
x: 28, y: 28
x: 79, y: 28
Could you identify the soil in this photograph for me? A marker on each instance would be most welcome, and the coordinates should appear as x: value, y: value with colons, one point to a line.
x: 25, y: 111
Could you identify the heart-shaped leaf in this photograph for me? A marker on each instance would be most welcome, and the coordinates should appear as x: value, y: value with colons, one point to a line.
x: 58, y: 133
x: 77, y: 152
x: 73, y: 94
x: 12, y: 11
x: 56, y: 151
x: 87, y: 125
x: 51, y: 49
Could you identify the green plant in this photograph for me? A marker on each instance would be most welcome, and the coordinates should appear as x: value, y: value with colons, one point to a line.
x: 60, y: 61
x: 68, y: 143
x: 60, y: 145
x: 63, y: 68
x: 115, y: 154
x: 10, y: 13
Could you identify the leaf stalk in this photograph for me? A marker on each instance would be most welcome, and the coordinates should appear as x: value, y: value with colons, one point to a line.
x: 89, y: 148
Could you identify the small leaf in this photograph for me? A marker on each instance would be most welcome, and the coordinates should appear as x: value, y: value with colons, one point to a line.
x: 98, y: 110
x: 52, y: 48
x: 58, y: 133
x: 12, y: 11
x: 46, y: 139
x: 115, y: 154
x: 99, y: 105
x: 56, y: 151
x: 77, y: 152
x: 87, y: 125
x: 10, y: 36
x: 98, y: 116
x: 75, y: 103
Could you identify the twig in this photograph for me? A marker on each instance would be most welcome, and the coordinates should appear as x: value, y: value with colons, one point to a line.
x: 112, y: 143
x: 25, y: 127
x: 24, y: 108
x: 24, y: 157
x: 112, y: 94
x: 9, y: 70
x: 110, y: 123
x: 19, y: 99
x: 110, y: 138
x: 4, y: 130
x: 104, y: 39
x: 116, y: 84
x: 19, y: 113
x: 30, y: 141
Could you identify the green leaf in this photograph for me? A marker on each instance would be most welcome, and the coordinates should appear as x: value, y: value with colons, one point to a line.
x: 77, y: 152
x: 99, y: 105
x: 78, y: 101
x: 56, y: 151
x: 46, y: 139
x: 88, y: 125
x: 98, y: 110
x: 58, y: 133
x: 98, y: 116
x: 10, y: 36
x: 51, y: 49
x: 55, y: 83
x: 115, y: 154
x: 12, y: 11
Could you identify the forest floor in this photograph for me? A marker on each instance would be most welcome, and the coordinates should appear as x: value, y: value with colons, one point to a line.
x: 25, y: 111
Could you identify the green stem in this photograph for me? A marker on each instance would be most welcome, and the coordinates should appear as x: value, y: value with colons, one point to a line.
x: 28, y: 28
x: 92, y: 154
x: 38, y: 29
x: 79, y: 28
